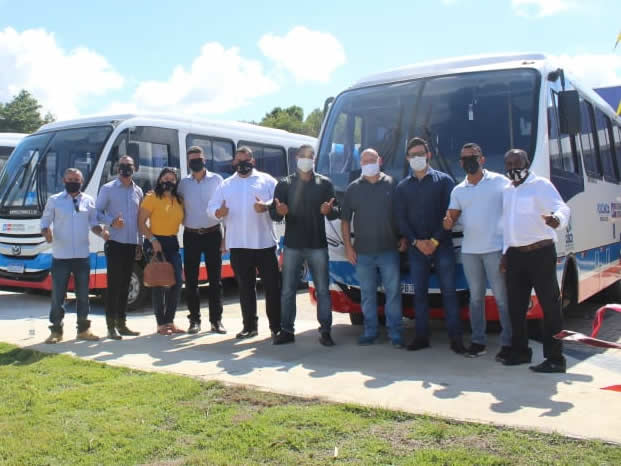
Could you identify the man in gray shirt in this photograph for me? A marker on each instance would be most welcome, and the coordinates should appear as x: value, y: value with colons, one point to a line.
x: 369, y: 200
x: 117, y: 206
x: 202, y: 235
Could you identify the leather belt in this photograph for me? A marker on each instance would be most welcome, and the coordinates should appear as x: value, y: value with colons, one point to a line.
x: 202, y: 231
x: 534, y: 246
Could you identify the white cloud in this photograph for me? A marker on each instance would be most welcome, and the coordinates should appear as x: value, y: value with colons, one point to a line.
x: 58, y: 79
x: 593, y: 70
x: 541, y: 8
x: 218, y: 80
x: 308, y: 55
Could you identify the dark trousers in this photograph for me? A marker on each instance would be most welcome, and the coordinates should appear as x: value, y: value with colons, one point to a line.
x: 245, y: 263
x: 537, y: 269
x: 165, y: 300
x: 120, y: 259
x: 61, y: 271
x: 194, y: 245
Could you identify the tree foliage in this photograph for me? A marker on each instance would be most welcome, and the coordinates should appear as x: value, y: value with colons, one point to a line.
x: 22, y: 114
x: 292, y: 119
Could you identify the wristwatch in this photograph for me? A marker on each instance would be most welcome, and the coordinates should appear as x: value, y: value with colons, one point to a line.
x: 435, y: 242
x: 414, y: 242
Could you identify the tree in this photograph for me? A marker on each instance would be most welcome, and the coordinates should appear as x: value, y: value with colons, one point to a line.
x: 21, y: 115
x: 292, y: 119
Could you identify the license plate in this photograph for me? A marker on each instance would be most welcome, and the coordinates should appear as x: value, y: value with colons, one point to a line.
x: 15, y: 268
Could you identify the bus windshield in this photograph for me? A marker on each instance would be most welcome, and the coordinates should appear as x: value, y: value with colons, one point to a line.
x: 35, y: 169
x: 495, y: 109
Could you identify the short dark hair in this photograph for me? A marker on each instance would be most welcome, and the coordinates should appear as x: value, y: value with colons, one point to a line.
x: 474, y: 146
x: 127, y: 157
x: 520, y: 152
x: 304, y: 147
x: 195, y: 150
x: 417, y: 142
x: 244, y: 150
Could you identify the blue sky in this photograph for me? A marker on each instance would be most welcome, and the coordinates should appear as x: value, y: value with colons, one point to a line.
x: 239, y: 59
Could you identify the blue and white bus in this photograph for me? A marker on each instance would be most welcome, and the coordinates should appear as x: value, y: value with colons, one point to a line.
x: 35, y: 171
x: 508, y: 101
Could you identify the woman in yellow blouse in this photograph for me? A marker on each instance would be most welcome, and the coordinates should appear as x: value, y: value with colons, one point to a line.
x: 163, y: 208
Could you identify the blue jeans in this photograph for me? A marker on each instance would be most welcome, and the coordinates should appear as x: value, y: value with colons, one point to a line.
x: 443, y: 261
x: 166, y: 300
x: 317, y: 260
x: 367, y: 267
x: 61, y: 271
x: 476, y: 268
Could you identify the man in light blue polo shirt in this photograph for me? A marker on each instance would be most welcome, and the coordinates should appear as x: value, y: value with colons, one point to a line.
x: 66, y: 221
x: 117, y: 206
x: 202, y: 235
x: 477, y: 203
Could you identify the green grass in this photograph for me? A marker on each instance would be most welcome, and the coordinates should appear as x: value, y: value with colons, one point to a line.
x: 56, y: 409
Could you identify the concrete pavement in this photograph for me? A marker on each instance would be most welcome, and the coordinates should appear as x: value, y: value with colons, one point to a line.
x: 433, y: 381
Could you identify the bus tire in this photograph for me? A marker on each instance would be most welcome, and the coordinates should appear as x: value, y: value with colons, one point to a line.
x: 356, y: 318
x: 137, y: 291
x: 569, y: 288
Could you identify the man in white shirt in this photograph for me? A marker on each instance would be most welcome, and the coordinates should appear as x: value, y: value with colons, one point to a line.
x: 533, y: 210
x: 242, y: 202
x: 476, y: 203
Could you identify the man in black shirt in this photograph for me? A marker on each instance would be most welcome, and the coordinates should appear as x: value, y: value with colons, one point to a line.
x: 303, y: 199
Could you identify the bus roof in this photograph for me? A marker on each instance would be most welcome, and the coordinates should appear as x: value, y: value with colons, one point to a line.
x: 11, y: 138
x: 173, y: 121
x: 453, y: 65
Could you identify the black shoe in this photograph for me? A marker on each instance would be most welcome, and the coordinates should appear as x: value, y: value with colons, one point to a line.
x: 194, y: 328
x: 457, y: 345
x: 113, y: 334
x: 418, y: 344
x: 123, y: 330
x: 517, y: 358
x: 283, y: 338
x: 550, y: 367
x: 326, y: 340
x: 503, y: 354
x: 217, y: 327
x: 475, y: 350
x: 246, y: 334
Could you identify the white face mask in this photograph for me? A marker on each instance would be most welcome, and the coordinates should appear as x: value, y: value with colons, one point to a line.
x: 418, y: 163
x: 306, y: 165
x: 370, y: 169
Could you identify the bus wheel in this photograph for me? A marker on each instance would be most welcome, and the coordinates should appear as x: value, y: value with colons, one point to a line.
x: 356, y: 318
x: 137, y: 291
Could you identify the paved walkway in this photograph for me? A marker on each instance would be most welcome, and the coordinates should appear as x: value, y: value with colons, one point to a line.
x: 433, y: 381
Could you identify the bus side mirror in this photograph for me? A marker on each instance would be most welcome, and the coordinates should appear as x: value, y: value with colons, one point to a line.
x: 569, y: 112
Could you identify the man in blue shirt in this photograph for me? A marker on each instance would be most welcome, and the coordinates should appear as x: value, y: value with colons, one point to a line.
x: 117, y: 206
x: 421, y: 202
x: 71, y: 214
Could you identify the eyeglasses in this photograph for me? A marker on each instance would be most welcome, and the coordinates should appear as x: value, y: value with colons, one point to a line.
x: 76, y: 204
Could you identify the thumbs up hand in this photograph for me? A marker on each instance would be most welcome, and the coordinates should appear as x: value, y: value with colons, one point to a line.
x: 281, y: 208
x: 326, y: 207
x: 118, y: 222
x: 223, y: 211
x: 260, y: 206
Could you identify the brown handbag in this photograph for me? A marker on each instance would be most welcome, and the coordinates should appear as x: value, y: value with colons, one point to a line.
x: 158, y: 272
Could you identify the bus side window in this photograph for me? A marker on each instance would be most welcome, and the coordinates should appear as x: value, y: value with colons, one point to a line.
x: 291, y: 160
x: 604, y: 144
x: 156, y: 148
x: 592, y: 163
x: 616, y: 134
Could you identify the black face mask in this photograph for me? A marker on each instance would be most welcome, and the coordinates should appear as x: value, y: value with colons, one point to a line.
x: 168, y: 185
x: 244, y: 167
x: 72, y: 187
x: 197, y: 165
x: 517, y: 175
x: 126, y: 170
x: 471, y: 165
